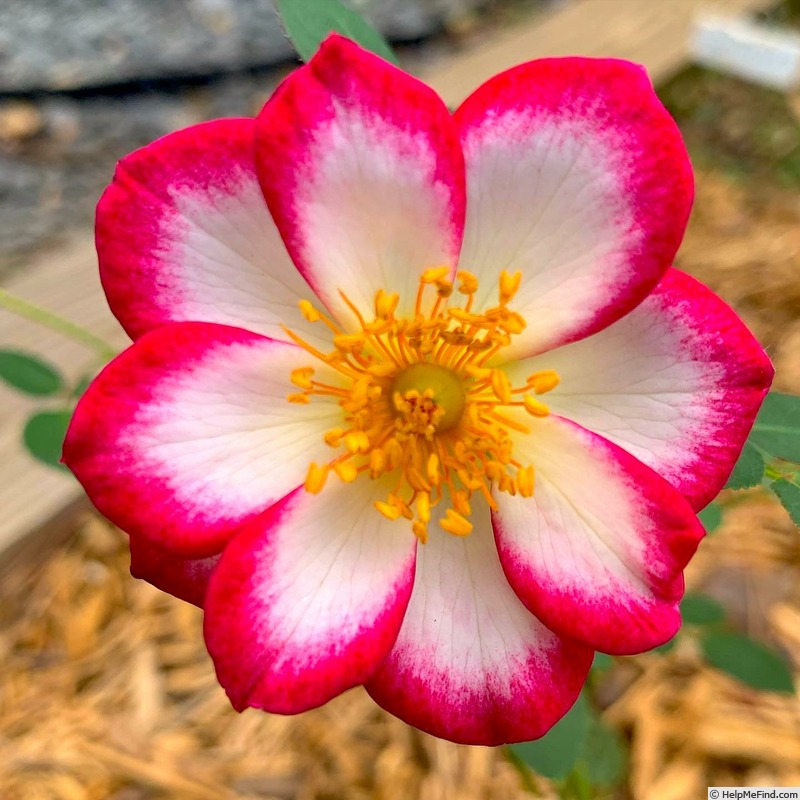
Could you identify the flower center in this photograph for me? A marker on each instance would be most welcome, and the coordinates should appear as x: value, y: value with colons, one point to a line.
x: 421, y: 404
x: 428, y: 398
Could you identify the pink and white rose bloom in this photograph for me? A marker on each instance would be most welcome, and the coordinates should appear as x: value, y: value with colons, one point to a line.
x: 415, y: 399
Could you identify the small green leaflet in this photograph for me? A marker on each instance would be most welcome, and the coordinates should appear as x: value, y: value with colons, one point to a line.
x: 29, y: 374
x: 603, y: 754
x: 579, y: 745
x: 711, y: 517
x: 777, y: 427
x: 749, y: 469
x: 44, y: 436
x: 308, y: 23
x: 748, y: 661
x: 555, y: 754
x: 698, y: 609
x: 789, y: 495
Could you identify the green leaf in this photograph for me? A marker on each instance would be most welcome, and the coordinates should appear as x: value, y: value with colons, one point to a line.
x: 82, y: 385
x: 603, y: 754
x: 789, y: 495
x: 777, y: 427
x: 602, y: 662
x: 711, y: 517
x: 29, y: 374
x: 749, y: 469
x: 308, y: 23
x: 555, y: 754
x: 748, y: 661
x: 698, y: 609
x: 44, y: 436
x: 667, y: 646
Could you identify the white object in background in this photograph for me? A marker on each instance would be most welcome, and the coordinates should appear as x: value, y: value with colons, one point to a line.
x: 752, y: 51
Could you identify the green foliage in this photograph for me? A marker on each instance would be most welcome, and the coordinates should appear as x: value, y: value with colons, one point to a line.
x: 579, y: 750
x: 698, y: 609
x: 29, y: 373
x: 81, y: 385
x: 788, y: 493
x: 44, y: 436
x: 749, y: 469
x: 748, y: 661
x: 602, y: 662
x: 667, y: 646
x: 771, y: 455
x: 555, y: 754
x: 777, y: 427
x: 604, y: 754
x: 308, y: 23
x: 711, y: 517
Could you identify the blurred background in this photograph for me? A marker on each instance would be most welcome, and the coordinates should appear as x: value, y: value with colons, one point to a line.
x: 105, y: 688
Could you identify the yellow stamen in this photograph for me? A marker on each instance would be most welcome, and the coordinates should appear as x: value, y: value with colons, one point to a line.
x: 424, y: 405
x: 388, y: 511
x: 434, y: 274
x: 309, y: 312
x: 316, y: 477
x: 346, y: 470
x: 456, y: 524
x: 543, y: 381
x: 536, y: 408
x: 509, y: 284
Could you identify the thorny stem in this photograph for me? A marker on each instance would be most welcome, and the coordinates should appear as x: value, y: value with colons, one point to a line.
x: 42, y: 316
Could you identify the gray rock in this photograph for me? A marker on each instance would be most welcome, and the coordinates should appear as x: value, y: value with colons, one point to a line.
x: 73, y: 44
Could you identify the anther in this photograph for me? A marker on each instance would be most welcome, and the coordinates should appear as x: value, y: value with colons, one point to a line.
x: 346, y: 470
x: 456, y: 524
x: 543, y: 381
x: 536, y: 408
x: 389, y: 511
x: 309, y: 312
x: 315, y: 479
x: 509, y: 284
x: 434, y: 274
x: 302, y: 377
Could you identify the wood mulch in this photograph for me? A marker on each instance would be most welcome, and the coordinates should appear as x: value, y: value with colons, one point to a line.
x: 106, y: 691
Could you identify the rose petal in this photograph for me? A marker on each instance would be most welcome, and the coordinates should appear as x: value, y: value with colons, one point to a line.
x: 577, y: 176
x: 188, y: 434
x: 677, y: 383
x: 309, y: 598
x: 184, y: 578
x: 363, y: 172
x: 471, y: 664
x: 184, y: 233
x: 598, y: 552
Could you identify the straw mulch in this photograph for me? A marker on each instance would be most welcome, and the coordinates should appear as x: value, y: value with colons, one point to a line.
x: 107, y: 693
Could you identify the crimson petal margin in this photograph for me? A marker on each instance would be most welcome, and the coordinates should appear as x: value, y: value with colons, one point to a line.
x: 677, y: 382
x: 578, y: 177
x: 308, y: 599
x: 471, y: 664
x: 184, y: 233
x: 363, y: 172
x: 188, y: 434
x: 184, y: 578
x: 598, y: 553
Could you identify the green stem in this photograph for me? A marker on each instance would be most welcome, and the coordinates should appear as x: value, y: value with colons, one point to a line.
x: 31, y: 311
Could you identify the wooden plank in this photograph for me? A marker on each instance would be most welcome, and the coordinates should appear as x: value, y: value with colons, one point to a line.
x: 652, y: 32
x: 33, y: 495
